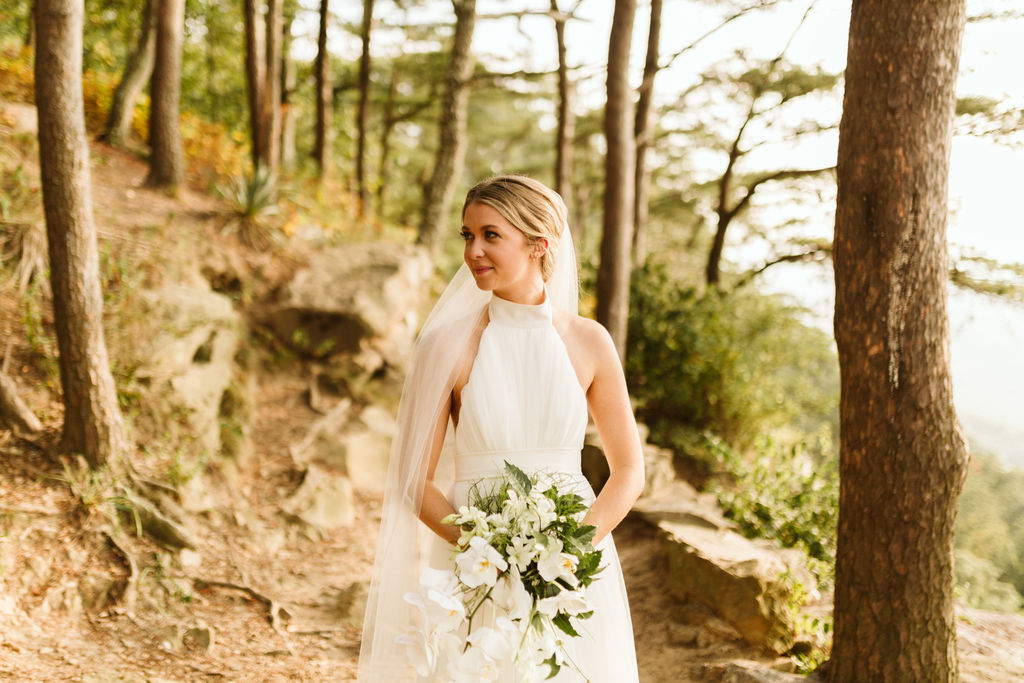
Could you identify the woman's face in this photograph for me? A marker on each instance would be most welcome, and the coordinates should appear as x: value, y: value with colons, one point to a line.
x: 499, y: 256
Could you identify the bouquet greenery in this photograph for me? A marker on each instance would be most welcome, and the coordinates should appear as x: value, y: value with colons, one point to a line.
x: 525, y: 558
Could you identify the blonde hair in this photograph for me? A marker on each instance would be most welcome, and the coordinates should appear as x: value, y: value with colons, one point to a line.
x: 530, y: 206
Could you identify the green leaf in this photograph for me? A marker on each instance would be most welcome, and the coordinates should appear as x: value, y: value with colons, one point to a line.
x: 555, y: 668
x: 519, y: 477
x: 562, y: 622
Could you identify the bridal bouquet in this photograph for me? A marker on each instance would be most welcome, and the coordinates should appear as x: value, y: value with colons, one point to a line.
x: 523, y: 564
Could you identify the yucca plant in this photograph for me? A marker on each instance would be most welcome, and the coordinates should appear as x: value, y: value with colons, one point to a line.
x: 254, y: 200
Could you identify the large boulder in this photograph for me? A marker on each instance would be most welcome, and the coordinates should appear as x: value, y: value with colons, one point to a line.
x: 356, y: 300
x: 751, y: 584
x: 184, y: 349
x: 658, y: 470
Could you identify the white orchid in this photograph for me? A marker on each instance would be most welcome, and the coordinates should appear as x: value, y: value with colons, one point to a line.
x: 473, y: 666
x: 567, y: 602
x: 554, y: 564
x: 479, y: 564
x: 521, y: 552
x: 512, y: 598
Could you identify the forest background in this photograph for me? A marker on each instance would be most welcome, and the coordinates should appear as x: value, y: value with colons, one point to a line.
x: 739, y: 382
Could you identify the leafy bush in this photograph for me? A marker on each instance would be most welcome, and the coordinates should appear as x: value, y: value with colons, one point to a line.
x: 732, y: 365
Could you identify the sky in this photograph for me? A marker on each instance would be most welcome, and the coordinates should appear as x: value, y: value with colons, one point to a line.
x: 985, y: 177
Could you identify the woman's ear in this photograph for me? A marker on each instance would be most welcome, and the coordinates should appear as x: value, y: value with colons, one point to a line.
x: 539, y: 248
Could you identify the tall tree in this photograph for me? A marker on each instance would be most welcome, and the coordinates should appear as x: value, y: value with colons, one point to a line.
x: 287, y: 86
x: 642, y: 133
x: 363, y: 111
x: 566, y: 119
x: 620, y: 160
x: 92, y: 420
x: 451, y: 149
x: 902, y: 454
x: 255, y: 78
x: 167, y: 157
x: 322, y: 143
x: 136, y: 73
x: 271, y: 87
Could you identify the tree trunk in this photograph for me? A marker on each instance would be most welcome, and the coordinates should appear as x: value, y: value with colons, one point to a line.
x: 362, y: 114
x: 566, y: 119
x: 386, y: 127
x: 643, y: 134
x: 322, y: 144
x: 136, y: 73
x: 255, y: 69
x: 92, y: 419
x: 30, y: 32
x: 271, y: 88
x: 619, y: 163
x: 167, y: 158
x: 287, y: 88
x: 451, y: 150
x: 902, y: 455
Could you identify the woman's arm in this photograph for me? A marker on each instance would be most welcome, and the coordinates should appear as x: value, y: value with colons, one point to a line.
x: 616, y: 426
x: 434, y: 506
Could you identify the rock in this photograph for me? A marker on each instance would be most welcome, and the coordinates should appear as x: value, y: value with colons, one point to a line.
x: 198, y: 638
x: 323, y: 500
x: 357, y: 444
x: 190, y: 559
x: 354, y: 298
x: 682, y: 634
x: 22, y: 118
x: 749, y: 672
x: 677, y: 501
x: 747, y: 583
x: 187, y: 357
x: 335, y: 609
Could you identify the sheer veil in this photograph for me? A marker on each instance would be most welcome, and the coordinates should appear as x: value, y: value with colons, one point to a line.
x: 405, y: 545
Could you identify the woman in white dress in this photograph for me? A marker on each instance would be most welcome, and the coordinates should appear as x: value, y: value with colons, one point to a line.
x: 504, y: 369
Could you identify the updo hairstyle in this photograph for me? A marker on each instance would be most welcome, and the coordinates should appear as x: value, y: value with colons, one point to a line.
x: 534, y: 209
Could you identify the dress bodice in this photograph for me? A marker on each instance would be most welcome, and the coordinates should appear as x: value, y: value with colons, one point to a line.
x: 522, y: 401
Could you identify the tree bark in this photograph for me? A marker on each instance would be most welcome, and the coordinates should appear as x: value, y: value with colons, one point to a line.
x: 271, y: 88
x: 643, y: 134
x: 136, y: 73
x: 620, y: 160
x: 321, y: 144
x: 902, y: 454
x: 92, y: 420
x: 255, y: 69
x: 451, y: 150
x: 167, y: 157
x: 566, y: 118
x: 362, y: 114
x: 287, y: 88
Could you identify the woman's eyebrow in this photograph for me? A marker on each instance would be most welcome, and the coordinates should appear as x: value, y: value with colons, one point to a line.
x: 485, y: 227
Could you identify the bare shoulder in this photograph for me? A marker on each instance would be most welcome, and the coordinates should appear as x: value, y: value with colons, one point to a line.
x: 589, y: 344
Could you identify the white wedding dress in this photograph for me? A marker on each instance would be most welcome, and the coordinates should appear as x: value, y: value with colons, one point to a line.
x: 523, y: 403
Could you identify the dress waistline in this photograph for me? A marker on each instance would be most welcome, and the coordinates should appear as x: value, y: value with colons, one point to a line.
x: 481, y: 464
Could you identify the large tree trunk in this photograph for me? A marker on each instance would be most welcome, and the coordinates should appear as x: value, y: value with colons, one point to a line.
x: 271, y: 89
x: 902, y: 455
x: 255, y: 70
x: 616, y: 238
x: 287, y: 87
x: 167, y: 157
x: 322, y: 144
x: 363, y: 112
x: 136, y: 73
x: 643, y: 134
x: 92, y: 419
x: 566, y: 119
x: 451, y: 150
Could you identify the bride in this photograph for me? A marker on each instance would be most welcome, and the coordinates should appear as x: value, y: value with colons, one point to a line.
x: 505, y: 369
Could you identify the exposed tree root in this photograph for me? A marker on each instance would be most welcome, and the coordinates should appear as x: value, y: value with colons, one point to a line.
x: 276, y: 612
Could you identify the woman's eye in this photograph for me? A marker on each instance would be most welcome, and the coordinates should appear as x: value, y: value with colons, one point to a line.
x: 465, y: 236
x: 490, y: 234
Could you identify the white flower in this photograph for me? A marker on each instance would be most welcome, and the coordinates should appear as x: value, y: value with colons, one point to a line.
x: 554, y: 564
x: 418, y: 650
x: 570, y: 603
x: 521, y: 551
x: 543, y: 507
x: 512, y: 598
x: 473, y: 666
x: 441, y: 580
x: 497, y: 643
x: 472, y: 515
x: 479, y: 564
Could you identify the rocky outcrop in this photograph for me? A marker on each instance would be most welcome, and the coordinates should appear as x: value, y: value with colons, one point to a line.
x: 184, y: 351
x: 750, y: 584
x: 357, y: 301
x: 658, y: 470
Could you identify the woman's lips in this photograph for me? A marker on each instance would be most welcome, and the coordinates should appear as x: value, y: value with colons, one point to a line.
x: 479, y: 270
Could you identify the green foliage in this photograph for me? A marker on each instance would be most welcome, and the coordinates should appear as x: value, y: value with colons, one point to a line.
x: 990, y: 535
x: 732, y: 365
x: 253, y: 197
x: 786, y: 495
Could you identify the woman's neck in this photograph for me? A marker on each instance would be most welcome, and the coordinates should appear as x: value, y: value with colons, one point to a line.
x: 531, y: 293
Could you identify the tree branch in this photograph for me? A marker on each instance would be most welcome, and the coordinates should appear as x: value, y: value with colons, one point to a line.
x: 810, y: 255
